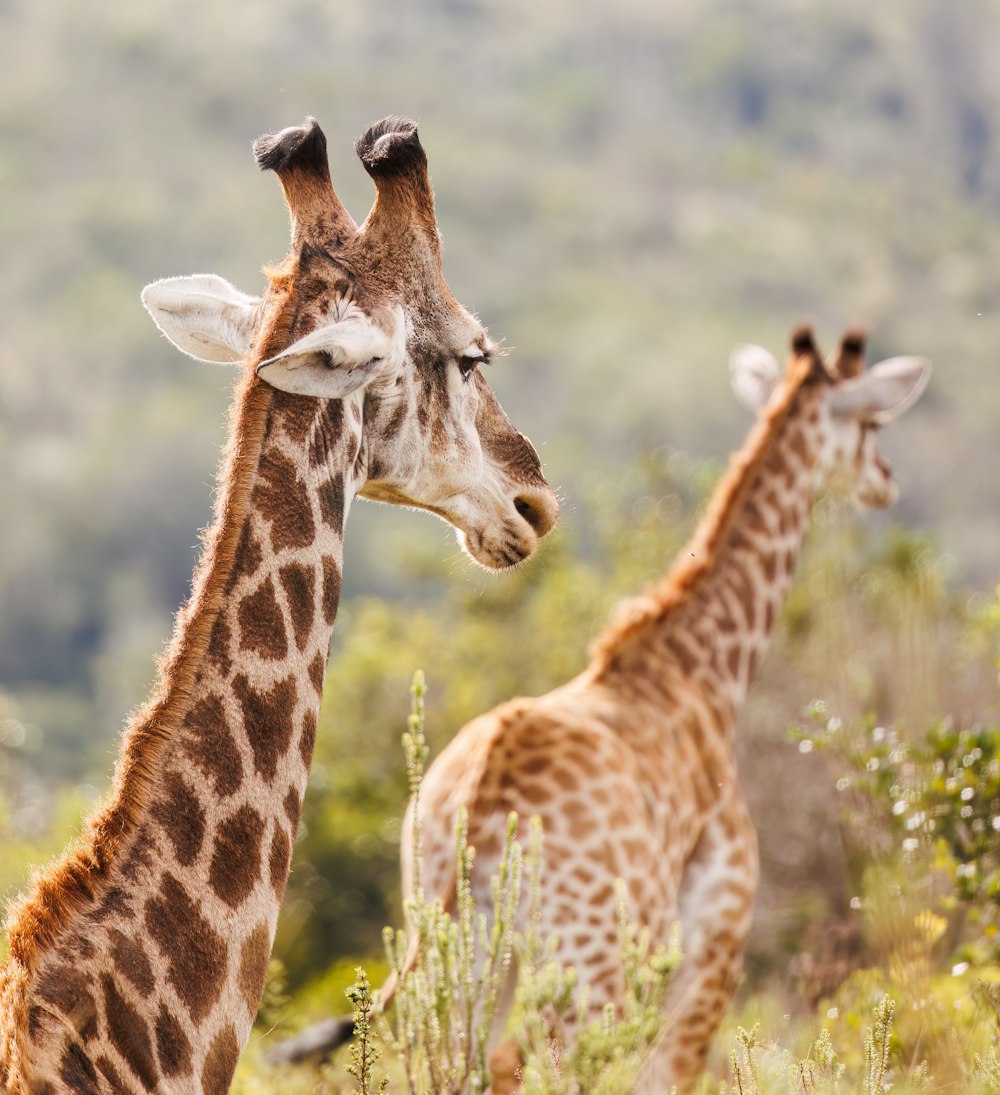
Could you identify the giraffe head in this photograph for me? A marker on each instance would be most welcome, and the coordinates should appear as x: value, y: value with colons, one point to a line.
x: 364, y: 316
x: 853, y: 404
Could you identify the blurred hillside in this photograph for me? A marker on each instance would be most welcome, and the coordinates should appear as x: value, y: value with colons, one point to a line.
x: 623, y: 195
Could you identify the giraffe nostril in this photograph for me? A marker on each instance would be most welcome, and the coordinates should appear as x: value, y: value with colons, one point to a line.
x: 540, y: 511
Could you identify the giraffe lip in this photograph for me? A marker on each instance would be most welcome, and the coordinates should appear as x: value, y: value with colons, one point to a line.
x: 497, y: 553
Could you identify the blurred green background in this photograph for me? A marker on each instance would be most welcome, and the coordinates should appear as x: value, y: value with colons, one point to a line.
x: 624, y: 192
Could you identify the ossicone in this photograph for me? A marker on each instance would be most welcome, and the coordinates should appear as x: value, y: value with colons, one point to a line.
x: 296, y: 147
x: 391, y: 147
x: 850, y: 359
x: 803, y: 343
x: 298, y: 157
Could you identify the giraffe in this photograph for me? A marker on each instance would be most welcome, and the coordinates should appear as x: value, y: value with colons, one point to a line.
x: 630, y: 765
x: 138, y: 959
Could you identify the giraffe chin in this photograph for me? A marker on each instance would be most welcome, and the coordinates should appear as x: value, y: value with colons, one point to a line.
x: 496, y: 553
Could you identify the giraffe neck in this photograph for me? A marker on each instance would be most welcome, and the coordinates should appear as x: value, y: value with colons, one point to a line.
x: 150, y: 972
x: 708, y: 623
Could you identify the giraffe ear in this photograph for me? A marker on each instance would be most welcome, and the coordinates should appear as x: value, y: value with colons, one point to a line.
x: 338, y: 358
x: 883, y: 392
x: 754, y: 373
x: 204, y: 316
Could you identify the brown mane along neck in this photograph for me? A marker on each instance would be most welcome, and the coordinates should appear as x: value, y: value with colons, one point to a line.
x: 698, y: 557
x: 65, y: 888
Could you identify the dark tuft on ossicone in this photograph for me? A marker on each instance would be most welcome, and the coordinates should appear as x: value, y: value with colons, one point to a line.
x: 802, y: 341
x: 298, y: 146
x: 391, y: 147
x: 853, y: 341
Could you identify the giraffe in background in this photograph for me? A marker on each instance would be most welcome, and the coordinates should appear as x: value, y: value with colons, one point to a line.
x: 138, y: 959
x: 630, y: 765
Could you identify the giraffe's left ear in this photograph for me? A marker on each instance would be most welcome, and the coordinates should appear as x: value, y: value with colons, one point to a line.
x: 883, y: 392
x: 204, y: 316
x: 754, y: 373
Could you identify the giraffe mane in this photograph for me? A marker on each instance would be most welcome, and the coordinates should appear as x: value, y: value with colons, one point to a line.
x: 57, y: 894
x: 699, y: 556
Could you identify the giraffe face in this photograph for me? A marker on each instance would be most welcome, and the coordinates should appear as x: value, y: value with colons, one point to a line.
x: 367, y: 311
x: 856, y: 408
x: 438, y: 439
x: 852, y: 406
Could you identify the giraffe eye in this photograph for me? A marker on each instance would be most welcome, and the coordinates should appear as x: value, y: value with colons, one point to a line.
x: 471, y: 358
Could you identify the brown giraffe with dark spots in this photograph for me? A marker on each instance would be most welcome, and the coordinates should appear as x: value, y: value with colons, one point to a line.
x: 630, y: 765
x: 139, y: 958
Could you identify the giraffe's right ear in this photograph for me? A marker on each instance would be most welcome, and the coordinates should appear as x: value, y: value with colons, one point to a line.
x: 754, y: 373
x: 204, y: 316
x: 341, y: 356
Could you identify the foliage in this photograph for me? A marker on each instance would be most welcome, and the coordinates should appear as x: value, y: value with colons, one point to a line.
x: 925, y: 910
x: 870, y: 1063
x: 821, y: 1072
x: 450, y: 969
x: 936, y: 800
x: 605, y: 1054
x: 364, y: 1050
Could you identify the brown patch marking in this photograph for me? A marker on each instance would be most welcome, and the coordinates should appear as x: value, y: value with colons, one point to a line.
x: 110, y: 1073
x: 262, y: 627
x: 331, y: 502
x: 195, y: 953
x: 129, y: 1034
x: 219, y: 646
x: 293, y: 807
x: 116, y: 902
x: 139, y: 860
x: 236, y: 854
x: 76, y: 1071
x: 249, y: 556
x: 282, y: 500
x: 294, y: 415
x: 254, y: 958
x: 182, y: 818
x: 327, y: 432
x: 130, y: 959
x: 267, y: 721
x: 331, y: 588
x: 307, y: 742
x: 281, y: 854
x: 299, y: 583
x: 220, y: 1063
x: 317, y: 671
x: 172, y: 1046
x: 209, y: 743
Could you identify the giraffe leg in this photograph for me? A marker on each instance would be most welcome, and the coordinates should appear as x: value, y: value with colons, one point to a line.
x: 714, y: 907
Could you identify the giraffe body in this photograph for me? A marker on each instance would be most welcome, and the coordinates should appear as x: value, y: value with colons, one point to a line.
x: 138, y: 960
x: 630, y: 766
